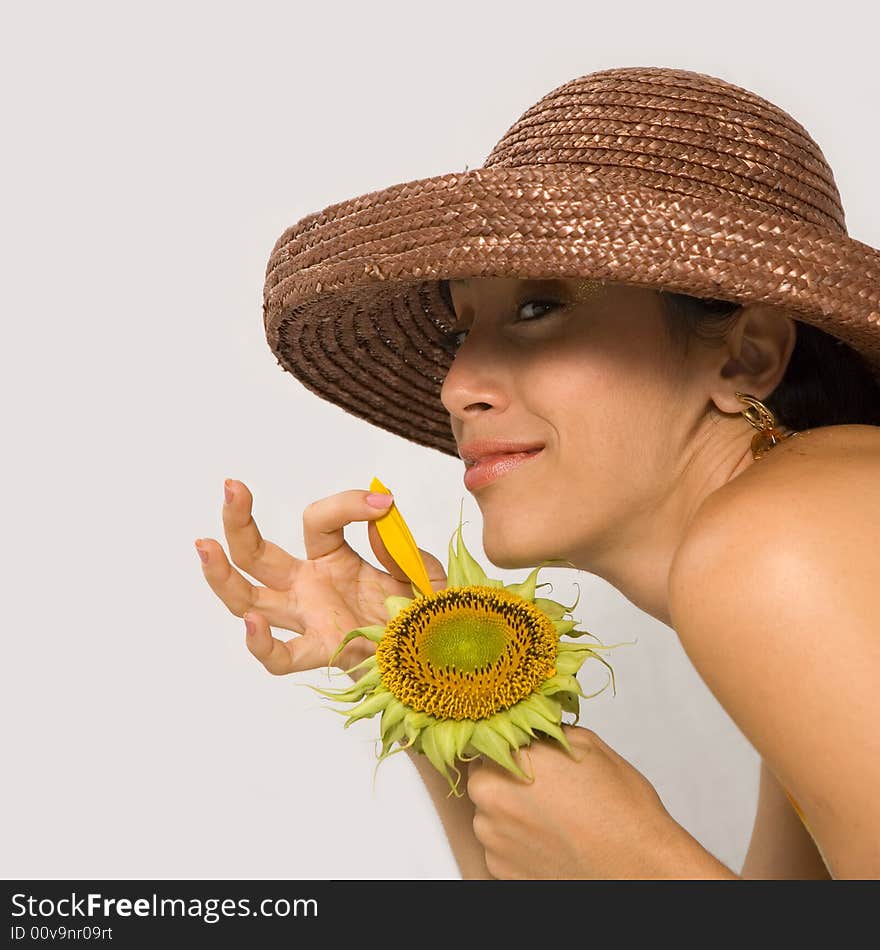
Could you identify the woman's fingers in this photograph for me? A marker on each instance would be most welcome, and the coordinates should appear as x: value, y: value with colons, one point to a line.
x: 294, y: 656
x: 267, y: 562
x: 235, y: 590
x: 324, y: 521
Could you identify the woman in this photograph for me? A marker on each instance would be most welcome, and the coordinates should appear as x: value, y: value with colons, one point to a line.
x: 645, y: 257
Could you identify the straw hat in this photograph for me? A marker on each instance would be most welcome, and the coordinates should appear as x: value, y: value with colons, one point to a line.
x: 664, y: 178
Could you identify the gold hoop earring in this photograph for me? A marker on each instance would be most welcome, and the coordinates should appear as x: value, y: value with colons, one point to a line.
x: 769, y: 433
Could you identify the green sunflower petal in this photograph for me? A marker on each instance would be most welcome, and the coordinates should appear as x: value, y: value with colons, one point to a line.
x: 554, y: 730
x: 390, y: 736
x: 570, y: 661
x: 526, y: 588
x: 602, y: 690
x: 431, y: 746
x: 414, y: 722
x: 562, y: 682
x: 370, y: 706
x: 568, y: 610
x: 368, y: 664
x: 519, y: 715
x: 564, y: 626
x: 543, y: 705
x: 351, y: 693
x: 509, y: 730
x: 446, y: 733
x: 570, y: 703
x: 373, y: 632
x: 464, y: 731
x: 395, y: 604
x: 597, y: 645
x: 463, y: 570
x: 611, y: 670
x: 392, y: 715
x: 566, y: 646
x: 489, y: 743
x: 546, y: 716
x: 554, y: 610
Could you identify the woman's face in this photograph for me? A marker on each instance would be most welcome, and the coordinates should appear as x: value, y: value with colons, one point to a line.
x: 588, y: 369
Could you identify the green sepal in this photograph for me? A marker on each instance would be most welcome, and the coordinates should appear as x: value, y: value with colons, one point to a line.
x: 462, y: 569
x: 435, y: 751
x: 602, y: 690
x: 353, y: 692
x: 554, y: 610
x: 395, y: 604
x: 509, y: 730
x: 366, y: 664
x: 526, y: 588
x: 446, y: 732
x: 373, y: 632
x: 392, y: 714
x: 570, y: 703
x: 520, y: 715
x: 487, y: 742
x: 394, y: 734
x: 463, y: 736
x: 370, y: 706
x: 414, y: 722
x: 554, y: 730
x: 561, y: 682
x: 570, y: 663
x: 544, y: 706
x: 564, y: 626
x: 567, y: 645
x: 604, y: 662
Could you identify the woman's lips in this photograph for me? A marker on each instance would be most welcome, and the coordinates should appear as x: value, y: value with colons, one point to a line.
x: 494, y: 466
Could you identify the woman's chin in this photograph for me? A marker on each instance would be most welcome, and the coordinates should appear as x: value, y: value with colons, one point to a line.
x: 512, y: 556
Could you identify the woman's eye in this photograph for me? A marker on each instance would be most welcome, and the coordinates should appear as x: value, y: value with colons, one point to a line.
x: 451, y: 341
x: 541, y: 303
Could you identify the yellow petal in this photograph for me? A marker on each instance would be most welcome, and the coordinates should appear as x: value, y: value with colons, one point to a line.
x: 400, y: 543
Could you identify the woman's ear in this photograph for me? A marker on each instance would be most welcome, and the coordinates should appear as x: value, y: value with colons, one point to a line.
x: 757, y: 352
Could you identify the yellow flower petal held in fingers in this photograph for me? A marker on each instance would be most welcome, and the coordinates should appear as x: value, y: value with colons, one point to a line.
x: 477, y: 668
x: 401, y: 545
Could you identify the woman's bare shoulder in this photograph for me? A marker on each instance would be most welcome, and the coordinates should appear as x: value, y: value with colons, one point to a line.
x: 820, y: 486
x: 775, y: 604
x: 819, y: 475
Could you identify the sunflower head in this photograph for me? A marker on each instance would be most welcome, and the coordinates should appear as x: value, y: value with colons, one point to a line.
x: 477, y: 668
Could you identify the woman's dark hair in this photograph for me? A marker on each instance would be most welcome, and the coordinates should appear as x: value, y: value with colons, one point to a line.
x: 826, y: 382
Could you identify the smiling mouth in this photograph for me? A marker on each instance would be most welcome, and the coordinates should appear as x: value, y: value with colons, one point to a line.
x: 500, y: 455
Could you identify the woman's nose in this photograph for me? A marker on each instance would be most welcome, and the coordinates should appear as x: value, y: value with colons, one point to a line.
x: 476, y: 376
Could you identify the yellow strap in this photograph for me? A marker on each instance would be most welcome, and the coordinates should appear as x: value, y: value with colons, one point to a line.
x: 797, y: 808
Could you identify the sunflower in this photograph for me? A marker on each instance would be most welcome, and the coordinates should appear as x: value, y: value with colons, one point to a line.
x: 477, y: 668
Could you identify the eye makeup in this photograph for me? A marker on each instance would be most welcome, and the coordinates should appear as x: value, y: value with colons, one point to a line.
x: 584, y: 289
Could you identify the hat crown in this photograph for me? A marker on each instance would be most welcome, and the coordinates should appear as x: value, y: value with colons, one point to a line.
x: 679, y: 131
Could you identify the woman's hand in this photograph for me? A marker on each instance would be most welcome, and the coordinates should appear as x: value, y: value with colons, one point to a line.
x: 319, y: 598
x: 593, y: 817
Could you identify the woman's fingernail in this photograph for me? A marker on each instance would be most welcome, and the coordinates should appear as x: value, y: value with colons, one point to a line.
x: 202, y: 554
x: 379, y: 499
x: 250, y: 626
x: 227, y: 490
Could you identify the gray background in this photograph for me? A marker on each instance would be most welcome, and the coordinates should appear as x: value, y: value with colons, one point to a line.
x: 153, y: 154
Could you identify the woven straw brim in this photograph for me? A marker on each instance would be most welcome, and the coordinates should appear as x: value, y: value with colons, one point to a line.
x: 352, y: 307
